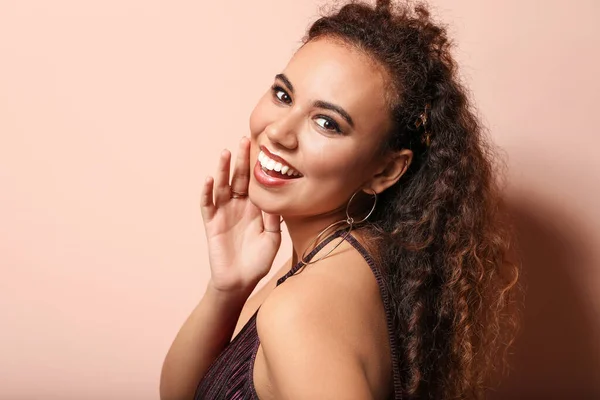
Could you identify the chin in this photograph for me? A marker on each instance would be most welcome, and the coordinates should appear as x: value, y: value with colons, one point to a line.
x: 261, y: 199
x: 271, y: 203
x: 263, y: 203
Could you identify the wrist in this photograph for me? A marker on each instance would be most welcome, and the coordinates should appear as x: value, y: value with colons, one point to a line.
x: 230, y: 298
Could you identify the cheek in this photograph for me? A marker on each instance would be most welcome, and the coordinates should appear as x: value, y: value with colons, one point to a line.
x: 335, y: 162
x: 259, y: 118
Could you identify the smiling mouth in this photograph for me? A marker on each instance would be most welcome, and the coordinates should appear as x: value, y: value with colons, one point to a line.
x: 276, y: 169
x: 278, y: 175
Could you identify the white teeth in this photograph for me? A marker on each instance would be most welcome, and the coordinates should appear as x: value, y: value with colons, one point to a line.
x: 271, y: 164
x: 263, y: 159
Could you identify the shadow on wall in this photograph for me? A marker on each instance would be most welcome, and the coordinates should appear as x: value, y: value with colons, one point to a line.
x: 557, y: 354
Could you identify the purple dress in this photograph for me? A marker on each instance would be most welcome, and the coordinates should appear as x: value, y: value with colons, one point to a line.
x: 230, y: 376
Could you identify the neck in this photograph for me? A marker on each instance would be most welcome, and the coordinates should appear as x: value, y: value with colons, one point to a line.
x: 304, y: 231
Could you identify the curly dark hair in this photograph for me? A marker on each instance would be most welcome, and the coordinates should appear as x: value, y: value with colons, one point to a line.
x: 439, y: 232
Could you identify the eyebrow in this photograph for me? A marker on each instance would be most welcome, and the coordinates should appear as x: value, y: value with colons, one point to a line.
x: 319, y: 103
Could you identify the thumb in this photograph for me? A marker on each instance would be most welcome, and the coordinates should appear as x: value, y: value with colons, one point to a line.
x: 272, y: 223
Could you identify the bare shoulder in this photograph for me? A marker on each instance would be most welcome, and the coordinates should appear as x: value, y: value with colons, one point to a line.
x: 323, y: 332
x: 255, y: 300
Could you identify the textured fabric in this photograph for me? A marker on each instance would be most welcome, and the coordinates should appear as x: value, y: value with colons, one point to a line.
x: 230, y: 377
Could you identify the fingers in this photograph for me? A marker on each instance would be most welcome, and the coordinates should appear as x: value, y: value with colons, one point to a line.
x: 241, y: 171
x: 207, y: 207
x: 272, y: 223
x: 219, y: 189
x: 222, y: 189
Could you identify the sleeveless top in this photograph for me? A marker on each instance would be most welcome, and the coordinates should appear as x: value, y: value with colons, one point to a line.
x: 230, y: 376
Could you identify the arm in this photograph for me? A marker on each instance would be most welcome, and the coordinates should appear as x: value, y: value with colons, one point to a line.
x: 240, y: 253
x: 202, y: 337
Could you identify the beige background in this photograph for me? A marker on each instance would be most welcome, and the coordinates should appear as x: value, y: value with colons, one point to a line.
x: 112, y: 112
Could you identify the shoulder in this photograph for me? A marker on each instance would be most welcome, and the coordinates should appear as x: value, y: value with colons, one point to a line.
x: 318, y: 327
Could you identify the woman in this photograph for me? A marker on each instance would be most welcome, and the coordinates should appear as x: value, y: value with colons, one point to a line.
x: 398, y: 284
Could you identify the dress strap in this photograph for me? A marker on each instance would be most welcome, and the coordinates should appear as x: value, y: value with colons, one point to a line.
x: 310, y: 255
x: 387, y: 304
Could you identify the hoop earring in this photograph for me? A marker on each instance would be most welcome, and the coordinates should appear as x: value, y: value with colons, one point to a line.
x: 349, y: 220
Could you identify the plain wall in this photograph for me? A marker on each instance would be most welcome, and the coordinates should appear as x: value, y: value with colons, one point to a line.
x: 113, y: 112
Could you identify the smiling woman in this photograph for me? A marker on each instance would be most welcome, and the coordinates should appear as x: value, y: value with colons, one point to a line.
x: 398, y: 285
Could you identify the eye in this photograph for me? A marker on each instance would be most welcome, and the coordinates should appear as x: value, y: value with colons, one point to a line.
x: 281, y: 95
x: 328, y: 124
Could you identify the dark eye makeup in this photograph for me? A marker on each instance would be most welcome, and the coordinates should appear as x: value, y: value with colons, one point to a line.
x: 330, y: 124
x: 276, y: 89
x: 282, y: 96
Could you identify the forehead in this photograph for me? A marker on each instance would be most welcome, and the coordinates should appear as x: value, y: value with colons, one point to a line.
x: 330, y: 70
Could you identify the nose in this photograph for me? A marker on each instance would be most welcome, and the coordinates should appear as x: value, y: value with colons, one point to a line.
x: 283, y: 131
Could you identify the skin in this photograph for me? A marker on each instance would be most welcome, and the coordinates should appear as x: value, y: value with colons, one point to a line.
x: 323, y: 332
x: 334, y: 165
x: 294, y: 326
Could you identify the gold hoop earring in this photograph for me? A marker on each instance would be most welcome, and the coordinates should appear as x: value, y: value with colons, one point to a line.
x: 349, y: 220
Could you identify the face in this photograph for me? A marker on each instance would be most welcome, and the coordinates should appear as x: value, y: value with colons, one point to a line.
x: 325, y: 116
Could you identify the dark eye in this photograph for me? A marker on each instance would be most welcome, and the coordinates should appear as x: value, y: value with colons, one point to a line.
x: 328, y: 123
x: 281, y: 94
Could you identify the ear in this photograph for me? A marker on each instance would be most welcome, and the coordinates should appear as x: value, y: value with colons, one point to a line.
x: 389, y: 171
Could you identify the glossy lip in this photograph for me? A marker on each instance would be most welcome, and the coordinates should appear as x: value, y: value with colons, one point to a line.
x: 268, y: 180
x: 277, y: 158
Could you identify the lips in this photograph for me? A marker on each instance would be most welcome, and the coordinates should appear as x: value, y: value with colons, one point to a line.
x: 267, y: 180
x: 278, y: 163
x: 275, y: 168
x: 273, y: 171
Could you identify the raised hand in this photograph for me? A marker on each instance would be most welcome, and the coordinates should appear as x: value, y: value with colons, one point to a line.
x: 241, y: 243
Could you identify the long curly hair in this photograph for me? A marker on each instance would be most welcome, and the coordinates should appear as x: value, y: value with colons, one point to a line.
x: 439, y: 232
